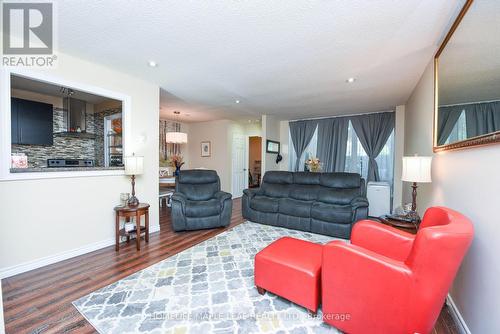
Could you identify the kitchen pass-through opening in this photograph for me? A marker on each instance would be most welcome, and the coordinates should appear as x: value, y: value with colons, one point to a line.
x: 59, y: 128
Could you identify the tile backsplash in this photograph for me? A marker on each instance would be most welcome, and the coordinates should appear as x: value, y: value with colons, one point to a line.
x: 67, y: 147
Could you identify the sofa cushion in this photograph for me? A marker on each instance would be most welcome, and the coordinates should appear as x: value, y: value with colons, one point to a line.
x: 332, y: 213
x: 278, y: 177
x: 198, y: 185
x: 342, y: 196
x: 304, y: 192
x: 211, y: 207
x: 340, y: 180
x: 264, y: 204
x: 306, y: 178
x: 295, y: 208
x: 276, y: 190
x: 198, y: 192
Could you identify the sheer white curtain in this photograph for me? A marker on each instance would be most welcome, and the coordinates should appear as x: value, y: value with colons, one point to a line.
x: 459, y: 131
x: 357, y: 160
x: 309, y: 152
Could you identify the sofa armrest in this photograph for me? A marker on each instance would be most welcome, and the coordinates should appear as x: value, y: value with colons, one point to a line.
x: 222, y: 196
x: 251, y: 192
x: 367, y: 286
x: 359, y: 202
x: 382, y: 239
x: 180, y: 198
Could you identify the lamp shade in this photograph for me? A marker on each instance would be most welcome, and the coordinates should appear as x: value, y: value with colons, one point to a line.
x: 134, y: 165
x: 417, y: 169
x: 176, y: 137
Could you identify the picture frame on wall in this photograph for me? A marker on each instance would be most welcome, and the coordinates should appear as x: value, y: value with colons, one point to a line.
x: 272, y: 146
x: 206, y: 149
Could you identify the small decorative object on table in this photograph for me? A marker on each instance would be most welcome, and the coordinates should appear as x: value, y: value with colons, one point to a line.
x: 133, y: 166
x: 403, y: 223
x: 176, y: 161
x: 313, y: 165
x: 19, y: 160
x: 124, y: 198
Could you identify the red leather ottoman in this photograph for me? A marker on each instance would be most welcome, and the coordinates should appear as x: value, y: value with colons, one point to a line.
x: 291, y: 268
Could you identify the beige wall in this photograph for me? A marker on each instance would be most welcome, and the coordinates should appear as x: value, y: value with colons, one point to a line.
x: 467, y: 181
x: 285, y: 145
x: 399, y: 147
x: 52, y: 217
x: 218, y: 133
x: 270, y: 131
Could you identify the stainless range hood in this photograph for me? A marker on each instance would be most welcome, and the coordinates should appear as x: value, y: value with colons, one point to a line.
x: 75, y: 118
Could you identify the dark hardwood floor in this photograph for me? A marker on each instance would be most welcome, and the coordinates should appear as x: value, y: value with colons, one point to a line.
x: 39, y: 301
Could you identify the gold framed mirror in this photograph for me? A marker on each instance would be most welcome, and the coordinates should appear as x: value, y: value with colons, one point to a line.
x: 467, y: 79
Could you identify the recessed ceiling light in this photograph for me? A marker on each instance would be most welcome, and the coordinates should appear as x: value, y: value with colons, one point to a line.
x: 237, y: 101
x: 152, y: 63
x: 350, y: 80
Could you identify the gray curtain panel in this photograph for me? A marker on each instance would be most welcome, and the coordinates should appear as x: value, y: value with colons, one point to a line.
x: 373, y: 130
x: 301, y: 133
x: 482, y: 118
x: 332, y: 143
x: 447, y: 118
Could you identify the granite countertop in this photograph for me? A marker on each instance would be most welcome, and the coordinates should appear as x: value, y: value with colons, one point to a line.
x: 62, y: 169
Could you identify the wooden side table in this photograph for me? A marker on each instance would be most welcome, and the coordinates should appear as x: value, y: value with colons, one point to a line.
x: 128, y: 212
x: 402, y: 225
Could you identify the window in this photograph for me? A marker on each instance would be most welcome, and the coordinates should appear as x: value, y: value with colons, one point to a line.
x: 309, y: 152
x: 357, y: 160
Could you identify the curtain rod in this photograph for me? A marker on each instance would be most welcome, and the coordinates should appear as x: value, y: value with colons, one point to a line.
x: 467, y: 103
x: 325, y: 117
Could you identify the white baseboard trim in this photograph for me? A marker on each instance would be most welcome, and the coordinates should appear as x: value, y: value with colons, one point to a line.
x: 459, y: 320
x: 45, y: 261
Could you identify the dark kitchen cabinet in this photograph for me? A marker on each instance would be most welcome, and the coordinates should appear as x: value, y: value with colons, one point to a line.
x: 31, y: 122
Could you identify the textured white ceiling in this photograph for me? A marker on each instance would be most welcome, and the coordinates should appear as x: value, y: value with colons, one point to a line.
x: 469, y: 67
x: 285, y: 58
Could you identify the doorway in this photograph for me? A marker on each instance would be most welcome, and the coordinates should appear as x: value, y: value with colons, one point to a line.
x: 254, y: 161
x: 239, y: 167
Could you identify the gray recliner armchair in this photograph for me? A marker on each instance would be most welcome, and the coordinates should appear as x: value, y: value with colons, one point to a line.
x: 198, y: 203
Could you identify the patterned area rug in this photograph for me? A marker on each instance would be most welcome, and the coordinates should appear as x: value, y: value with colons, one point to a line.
x: 208, y: 288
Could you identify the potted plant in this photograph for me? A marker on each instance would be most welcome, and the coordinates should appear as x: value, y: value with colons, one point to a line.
x: 176, y: 161
x: 313, y: 165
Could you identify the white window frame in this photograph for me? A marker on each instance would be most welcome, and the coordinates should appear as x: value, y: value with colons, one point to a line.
x: 5, y: 123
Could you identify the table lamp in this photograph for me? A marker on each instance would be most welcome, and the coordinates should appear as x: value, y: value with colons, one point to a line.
x: 416, y: 169
x: 133, y: 166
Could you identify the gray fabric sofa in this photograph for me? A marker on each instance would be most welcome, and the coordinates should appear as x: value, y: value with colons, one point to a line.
x: 324, y: 203
x: 198, y: 203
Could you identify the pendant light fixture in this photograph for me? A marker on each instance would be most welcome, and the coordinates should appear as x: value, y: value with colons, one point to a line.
x: 176, y: 137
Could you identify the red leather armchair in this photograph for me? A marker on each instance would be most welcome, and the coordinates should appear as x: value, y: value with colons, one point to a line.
x: 388, y: 281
